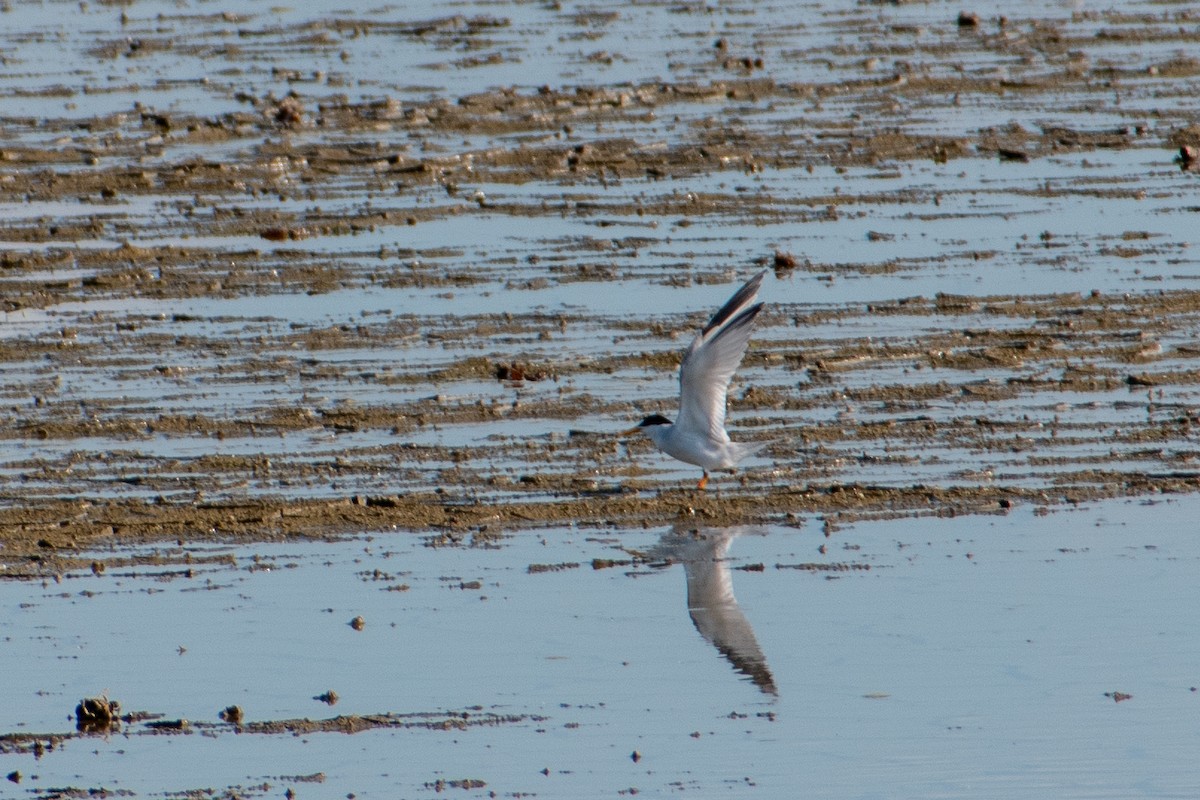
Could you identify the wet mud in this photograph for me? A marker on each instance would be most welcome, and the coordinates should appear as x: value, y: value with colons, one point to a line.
x: 141, y: 402
x: 149, y: 724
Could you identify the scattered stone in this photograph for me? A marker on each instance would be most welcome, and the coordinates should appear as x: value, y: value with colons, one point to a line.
x: 289, y: 112
x: 784, y: 261
x: 284, y: 234
x: 519, y: 373
x: 97, y: 714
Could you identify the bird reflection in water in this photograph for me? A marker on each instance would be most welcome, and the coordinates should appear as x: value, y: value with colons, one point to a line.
x: 711, y: 604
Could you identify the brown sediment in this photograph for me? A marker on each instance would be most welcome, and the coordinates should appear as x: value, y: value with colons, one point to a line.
x: 146, y: 724
x: 1062, y: 345
x: 254, y: 192
x: 48, y: 538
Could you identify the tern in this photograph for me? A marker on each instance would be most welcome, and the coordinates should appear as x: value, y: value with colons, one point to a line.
x: 698, y: 434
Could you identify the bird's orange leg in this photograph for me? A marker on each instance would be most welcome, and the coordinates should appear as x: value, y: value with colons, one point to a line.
x: 703, y: 482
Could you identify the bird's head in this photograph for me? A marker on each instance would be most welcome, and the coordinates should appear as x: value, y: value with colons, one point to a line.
x: 648, y: 422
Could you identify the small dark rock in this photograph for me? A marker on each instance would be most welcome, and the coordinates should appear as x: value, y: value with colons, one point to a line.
x: 1188, y: 156
x: 97, y: 714
x: 289, y: 113
x: 784, y: 261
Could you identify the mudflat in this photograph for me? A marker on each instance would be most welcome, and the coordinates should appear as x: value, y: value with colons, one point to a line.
x: 257, y: 285
x: 337, y: 313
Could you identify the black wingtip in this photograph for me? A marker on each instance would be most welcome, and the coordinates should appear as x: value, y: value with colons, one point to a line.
x: 747, y: 317
x: 739, y: 299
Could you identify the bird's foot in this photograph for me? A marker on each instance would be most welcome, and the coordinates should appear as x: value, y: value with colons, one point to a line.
x: 703, y: 482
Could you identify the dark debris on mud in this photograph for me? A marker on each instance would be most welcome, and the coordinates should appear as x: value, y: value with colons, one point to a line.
x: 149, y: 724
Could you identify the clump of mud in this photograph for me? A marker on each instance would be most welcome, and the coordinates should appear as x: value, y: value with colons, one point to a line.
x: 97, y: 715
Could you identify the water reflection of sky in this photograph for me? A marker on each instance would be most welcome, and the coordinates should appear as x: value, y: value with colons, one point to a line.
x: 602, y: 43
x: 973, y: 655
x: 985, y: 235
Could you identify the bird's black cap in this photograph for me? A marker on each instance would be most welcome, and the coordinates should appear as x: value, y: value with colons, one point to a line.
x: 654, y: 419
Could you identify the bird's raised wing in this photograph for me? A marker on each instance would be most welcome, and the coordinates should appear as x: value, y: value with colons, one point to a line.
x: 712, y: 358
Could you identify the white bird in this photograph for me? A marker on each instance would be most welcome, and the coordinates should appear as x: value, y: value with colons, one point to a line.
x: 698, y: 435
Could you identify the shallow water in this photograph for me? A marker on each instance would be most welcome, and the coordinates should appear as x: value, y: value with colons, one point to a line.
x: 913, y: 658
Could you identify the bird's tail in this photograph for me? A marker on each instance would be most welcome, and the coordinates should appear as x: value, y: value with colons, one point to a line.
x: 747, y: 449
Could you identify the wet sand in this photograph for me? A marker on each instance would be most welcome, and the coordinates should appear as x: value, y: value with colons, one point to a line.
x: 159, y: 205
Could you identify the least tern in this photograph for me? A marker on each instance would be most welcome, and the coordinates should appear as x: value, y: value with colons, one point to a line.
x: 698, y: 435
